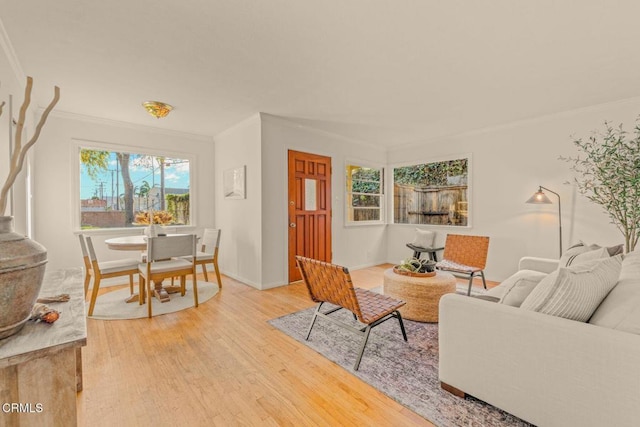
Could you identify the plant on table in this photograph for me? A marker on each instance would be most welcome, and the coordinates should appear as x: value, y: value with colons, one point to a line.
x: 415, y: 265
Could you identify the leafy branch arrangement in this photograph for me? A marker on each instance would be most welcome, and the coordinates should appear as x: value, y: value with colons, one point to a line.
x: 608, y: 169
x: 20, y: 151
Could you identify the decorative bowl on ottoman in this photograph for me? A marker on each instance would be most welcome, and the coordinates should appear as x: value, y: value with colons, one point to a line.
x: 416, y: 267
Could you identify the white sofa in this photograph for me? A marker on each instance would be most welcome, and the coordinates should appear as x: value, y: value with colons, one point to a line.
x: 548, y: 370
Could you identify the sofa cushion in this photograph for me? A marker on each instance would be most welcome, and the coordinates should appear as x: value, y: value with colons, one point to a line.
x: 575, y: 292
x: 585, y: 256
x: 515, y: 289
x: 612, y: 250
x: 423, y: 238
x: 582, y: 252
x: 572, y: 252
x: 621, y: 308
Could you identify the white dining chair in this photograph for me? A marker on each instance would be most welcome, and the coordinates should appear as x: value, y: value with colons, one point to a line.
x: 208, y: 253
x: 103, y: 269
x: 165, y: 260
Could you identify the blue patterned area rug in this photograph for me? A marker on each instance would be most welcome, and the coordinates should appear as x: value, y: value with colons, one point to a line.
x: 406, y: 372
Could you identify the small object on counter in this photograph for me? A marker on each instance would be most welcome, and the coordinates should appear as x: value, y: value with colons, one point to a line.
x: 56, y: 298
x: 44, y: 313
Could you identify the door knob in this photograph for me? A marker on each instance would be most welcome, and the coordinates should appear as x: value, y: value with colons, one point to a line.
x: 292, y: 225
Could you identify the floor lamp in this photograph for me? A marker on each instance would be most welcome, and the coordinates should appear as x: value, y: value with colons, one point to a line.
x: 540, y: 198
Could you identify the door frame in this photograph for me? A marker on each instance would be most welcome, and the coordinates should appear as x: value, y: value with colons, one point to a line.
x: 285, y: 202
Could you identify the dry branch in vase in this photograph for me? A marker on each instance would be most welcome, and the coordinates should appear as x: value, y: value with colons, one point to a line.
x: 20, y: 151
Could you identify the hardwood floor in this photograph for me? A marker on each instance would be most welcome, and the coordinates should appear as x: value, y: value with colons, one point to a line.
x: 223, y: 364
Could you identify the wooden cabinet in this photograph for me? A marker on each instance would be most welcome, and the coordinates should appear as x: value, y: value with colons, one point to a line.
x: 41, y: 366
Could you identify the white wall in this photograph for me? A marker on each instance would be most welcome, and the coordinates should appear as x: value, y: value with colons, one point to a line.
x: 508, y: 165
x: 353, y: 247
x: 240, y: 255
x: 54, y: 177
x: 255, y: 231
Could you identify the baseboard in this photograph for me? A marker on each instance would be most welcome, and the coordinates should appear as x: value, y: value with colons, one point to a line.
x: 368, y: 265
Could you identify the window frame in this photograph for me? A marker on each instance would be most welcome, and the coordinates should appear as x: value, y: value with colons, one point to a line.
x: 349, y: 209
x: 74, y: 153
x: 391, y: 182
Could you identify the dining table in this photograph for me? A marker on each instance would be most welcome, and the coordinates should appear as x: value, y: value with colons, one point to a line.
x: 138, y: 242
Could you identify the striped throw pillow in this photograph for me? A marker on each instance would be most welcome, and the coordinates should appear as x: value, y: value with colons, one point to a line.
x: 575, y: 292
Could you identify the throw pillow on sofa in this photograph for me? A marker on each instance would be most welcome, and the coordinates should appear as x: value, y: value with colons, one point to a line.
x: 575, y: 292
x: 582, y: 252
x: 587, y: 257
x: 621, y: 308
x: 514, y: 290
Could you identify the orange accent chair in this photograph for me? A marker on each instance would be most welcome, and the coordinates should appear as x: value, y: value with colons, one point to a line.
x: 329, y: 283
x: 465, y: 256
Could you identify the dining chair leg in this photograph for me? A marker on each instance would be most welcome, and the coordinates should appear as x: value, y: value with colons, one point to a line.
x: 470, y: 284
x: 149, y: 298
x: 131, y: 284
x: 204, y: 272
x: 87, y: 279
x: 195, y: 289
x: 183, y: 285
x: 142, y: 290
x: 94, y: 294
x: 484, y: 282
x: 217, y: 270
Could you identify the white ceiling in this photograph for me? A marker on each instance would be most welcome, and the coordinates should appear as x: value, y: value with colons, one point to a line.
x: 386, y: 72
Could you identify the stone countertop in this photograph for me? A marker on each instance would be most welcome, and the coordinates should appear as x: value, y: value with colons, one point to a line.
x: 37, y: 339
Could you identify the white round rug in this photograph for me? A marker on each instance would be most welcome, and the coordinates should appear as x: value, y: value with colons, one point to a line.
x: 112, y: 305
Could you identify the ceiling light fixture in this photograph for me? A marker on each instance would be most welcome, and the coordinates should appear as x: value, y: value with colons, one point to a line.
x: 157, y: 109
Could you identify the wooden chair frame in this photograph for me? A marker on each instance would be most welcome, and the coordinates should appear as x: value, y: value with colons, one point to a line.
x: 210, y: 239
x: 329, y: 283
x: 165, y: 259
x: 103, y: 270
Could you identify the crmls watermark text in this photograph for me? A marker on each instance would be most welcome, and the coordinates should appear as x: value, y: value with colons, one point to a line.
x: 34, y: 408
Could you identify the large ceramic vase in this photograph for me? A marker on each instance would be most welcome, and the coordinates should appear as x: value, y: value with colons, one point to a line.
x: 22, y: 265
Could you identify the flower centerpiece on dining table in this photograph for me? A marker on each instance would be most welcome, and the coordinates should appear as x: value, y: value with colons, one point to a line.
x: 416, y: 267
x: 152, y: 218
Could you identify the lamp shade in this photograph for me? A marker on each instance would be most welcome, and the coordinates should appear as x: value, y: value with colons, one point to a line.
x: 539, y: 198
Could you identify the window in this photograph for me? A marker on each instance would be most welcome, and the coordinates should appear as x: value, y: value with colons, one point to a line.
x: 124, y: 189
x: 434, y: 193
x: 365, y: 192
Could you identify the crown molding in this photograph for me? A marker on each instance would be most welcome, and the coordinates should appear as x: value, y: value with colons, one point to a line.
x: 523, y: 122
x: 126, y: 125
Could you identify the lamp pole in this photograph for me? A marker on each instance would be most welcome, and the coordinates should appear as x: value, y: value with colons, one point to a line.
x: 559, y: 214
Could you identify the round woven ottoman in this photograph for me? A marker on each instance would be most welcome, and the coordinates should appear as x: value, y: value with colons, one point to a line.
x: 422, y: 294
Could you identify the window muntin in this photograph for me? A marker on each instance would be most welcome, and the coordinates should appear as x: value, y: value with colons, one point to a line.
x: 120, y: 189
x: 364, y: 194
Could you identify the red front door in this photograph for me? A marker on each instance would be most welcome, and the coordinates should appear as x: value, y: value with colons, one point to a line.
x: 309, y: 209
